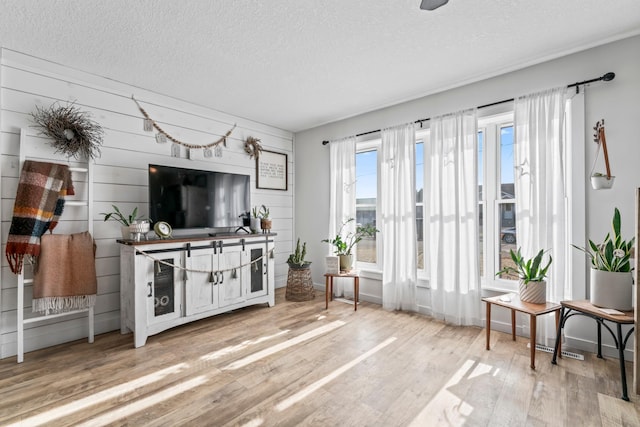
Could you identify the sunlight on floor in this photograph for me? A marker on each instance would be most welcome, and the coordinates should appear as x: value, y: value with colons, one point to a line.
x: 102, y: 396
x: 257, y: 422
x: 284, y: 345
x: 139, y: 405
x: 236, y: 348
x: 126, y: 410
x: 446, y: 408
x: 333, y: 375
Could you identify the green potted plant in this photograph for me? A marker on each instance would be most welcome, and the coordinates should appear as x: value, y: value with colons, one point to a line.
x: 254, y: 222
x: 265, y: 222
x: 296, y: 259
x: 344, y: 245
x: 131, y: 223
x: 610, y: 278
x: 531, y: 274
x: 299, y: 282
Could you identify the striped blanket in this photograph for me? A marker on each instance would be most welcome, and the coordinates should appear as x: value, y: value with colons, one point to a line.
x: 38, y: 206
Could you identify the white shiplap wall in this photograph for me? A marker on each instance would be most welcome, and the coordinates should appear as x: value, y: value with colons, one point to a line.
x: 120, y: 173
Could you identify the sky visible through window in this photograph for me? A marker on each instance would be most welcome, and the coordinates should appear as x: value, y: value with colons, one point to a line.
x: 506, y: 154
x: 366, y: 175
x: 367, y: 164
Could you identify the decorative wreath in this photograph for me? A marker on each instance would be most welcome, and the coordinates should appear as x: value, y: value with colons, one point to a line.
x: 252, y: 147
x: 73, y: 133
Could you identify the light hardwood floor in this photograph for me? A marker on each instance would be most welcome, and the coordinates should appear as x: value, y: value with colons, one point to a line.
x: 297, y: 364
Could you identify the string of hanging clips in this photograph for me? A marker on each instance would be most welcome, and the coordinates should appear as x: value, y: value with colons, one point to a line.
x: 210, y: 272
x: 149, y: 124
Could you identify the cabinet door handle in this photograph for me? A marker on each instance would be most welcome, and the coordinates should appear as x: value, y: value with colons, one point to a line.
x: 150, y: 284
x: 221, y: 276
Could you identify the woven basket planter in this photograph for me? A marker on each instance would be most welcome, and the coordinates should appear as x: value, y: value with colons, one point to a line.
x: 300, y: 284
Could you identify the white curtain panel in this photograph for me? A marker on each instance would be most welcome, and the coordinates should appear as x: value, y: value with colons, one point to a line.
x: 452, y: 215
x: 342, y: 206
x: 398, y: 217
x: 540, y: 186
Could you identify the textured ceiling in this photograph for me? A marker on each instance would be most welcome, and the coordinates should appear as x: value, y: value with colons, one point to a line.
x: 296, y: 64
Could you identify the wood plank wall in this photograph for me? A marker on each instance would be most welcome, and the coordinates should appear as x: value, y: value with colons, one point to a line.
x: 120, y: 173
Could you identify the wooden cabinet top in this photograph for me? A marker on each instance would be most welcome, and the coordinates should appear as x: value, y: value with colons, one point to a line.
x: 197, y: 238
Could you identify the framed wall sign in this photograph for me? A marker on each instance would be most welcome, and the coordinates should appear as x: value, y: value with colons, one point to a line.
x: 272, y: 170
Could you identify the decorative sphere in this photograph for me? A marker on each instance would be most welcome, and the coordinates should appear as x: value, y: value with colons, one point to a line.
x: 68, y: 133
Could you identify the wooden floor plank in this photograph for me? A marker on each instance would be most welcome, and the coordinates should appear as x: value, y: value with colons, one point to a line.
x: 374, y: 368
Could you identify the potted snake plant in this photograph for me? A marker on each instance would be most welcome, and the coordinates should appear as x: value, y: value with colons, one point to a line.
x: 531, y: 274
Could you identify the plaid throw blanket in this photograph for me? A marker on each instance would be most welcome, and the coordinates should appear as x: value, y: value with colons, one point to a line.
x: 39, y: 204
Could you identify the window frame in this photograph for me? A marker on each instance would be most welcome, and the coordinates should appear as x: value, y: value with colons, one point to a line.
x: 490, y: 125
x: 373, y: 144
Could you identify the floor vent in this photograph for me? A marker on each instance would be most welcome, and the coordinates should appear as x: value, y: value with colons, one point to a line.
x: 565, y: 353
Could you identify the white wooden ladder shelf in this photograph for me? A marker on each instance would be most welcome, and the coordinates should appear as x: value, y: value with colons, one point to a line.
x: 34, y: 148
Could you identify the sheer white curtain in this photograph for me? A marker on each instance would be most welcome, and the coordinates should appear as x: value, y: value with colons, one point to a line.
x: 540, y: 184
x: 398, y: 213
x: 452, y: 212
x: 342, y: 205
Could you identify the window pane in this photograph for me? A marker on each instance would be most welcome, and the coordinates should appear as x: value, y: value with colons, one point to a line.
x: 506, y: 163
x: 420, y: 237
x: 507, y: 238
x: 419, y: 204
x: 481, y: 237
x: 366, y: 194
x: 419, y: 172
x: 480, y: 163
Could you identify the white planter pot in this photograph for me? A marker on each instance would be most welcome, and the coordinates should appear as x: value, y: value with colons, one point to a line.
x: 138, y: 228
x: 124, y: 230
x: 346, y: 262
x: 254, y: 225
x: 602, y: 182
x: 611, y: 289
x: 533, y: 292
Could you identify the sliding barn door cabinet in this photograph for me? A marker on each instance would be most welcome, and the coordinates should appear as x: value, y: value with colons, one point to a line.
x: 166, y: 283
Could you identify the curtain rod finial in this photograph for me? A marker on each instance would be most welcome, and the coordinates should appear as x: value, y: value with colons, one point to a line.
x: 325, y: 142
x: 609, y: 76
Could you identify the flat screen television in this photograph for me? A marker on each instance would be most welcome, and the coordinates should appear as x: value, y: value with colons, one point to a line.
x: 193, y: 200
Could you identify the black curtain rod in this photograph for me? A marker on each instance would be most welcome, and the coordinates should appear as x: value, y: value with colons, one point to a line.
x: 607, y: 77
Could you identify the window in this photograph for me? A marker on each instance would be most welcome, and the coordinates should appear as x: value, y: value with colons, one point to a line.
x: 367, y: 198
x: 367, y: 202
x: 420, y: 204
x: 497, y: 199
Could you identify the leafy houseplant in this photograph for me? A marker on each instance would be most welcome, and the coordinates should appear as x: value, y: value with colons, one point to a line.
x: 127, y: 220
x: 265, y: 222
x: 296, y: 259
x: 614, y: 253
x: 611, y: 281
x: 131, y: 223
x: 254, y: 221
x: 532, y: 274
x: 344, y: 245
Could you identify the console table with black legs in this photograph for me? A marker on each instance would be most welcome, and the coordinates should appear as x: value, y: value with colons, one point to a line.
x: 585, y: 308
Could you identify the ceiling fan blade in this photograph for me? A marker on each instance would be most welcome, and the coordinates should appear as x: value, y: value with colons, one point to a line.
x: 432, y: 4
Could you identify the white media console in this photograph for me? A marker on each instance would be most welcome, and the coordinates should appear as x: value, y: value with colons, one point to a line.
x: 166, y: 283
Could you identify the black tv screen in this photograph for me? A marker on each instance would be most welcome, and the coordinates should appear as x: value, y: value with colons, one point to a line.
x: 197, y: 199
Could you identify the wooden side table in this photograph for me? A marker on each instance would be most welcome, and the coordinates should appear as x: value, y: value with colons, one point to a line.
x: 585, y: 308
x: 512, y: 302
x: 328, y: 287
